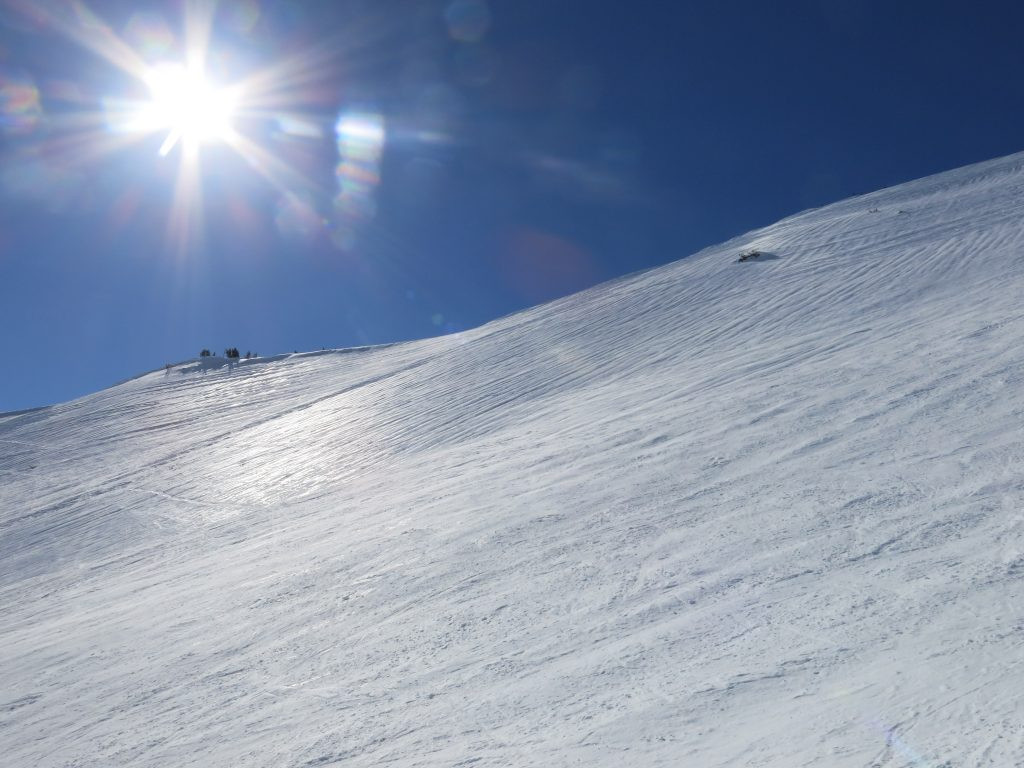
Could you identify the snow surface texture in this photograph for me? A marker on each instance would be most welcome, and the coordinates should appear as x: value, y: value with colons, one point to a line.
x: 714, y: 514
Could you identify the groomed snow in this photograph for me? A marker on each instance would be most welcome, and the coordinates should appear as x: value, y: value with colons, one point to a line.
x: 714, y: 514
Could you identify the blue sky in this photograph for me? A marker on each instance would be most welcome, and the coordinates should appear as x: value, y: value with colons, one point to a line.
x: 395, y: 170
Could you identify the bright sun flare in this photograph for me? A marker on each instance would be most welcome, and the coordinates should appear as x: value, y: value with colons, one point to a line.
x: 187, y: 108
x: 186, y: 105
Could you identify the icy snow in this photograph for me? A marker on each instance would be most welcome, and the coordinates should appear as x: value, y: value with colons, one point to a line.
x: 715, y: 514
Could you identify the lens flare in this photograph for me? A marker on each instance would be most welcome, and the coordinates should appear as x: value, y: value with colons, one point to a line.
x: 186, y: 90
x: 468, y: 20
x: 150, y: 35
x: 20, y: 110
x: 360, y: 144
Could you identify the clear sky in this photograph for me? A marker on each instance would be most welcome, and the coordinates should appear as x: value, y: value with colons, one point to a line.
x: 280, y: 176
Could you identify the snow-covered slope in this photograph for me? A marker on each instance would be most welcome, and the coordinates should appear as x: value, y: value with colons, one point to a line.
x: 714, y: 514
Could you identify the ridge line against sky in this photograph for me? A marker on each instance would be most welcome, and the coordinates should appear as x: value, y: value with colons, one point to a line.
x: 400, y: 169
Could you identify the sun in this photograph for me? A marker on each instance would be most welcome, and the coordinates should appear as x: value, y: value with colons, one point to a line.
x: 176, y: 98
x: 187, y: 105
